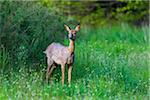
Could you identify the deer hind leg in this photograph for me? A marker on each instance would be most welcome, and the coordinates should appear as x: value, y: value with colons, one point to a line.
x: 51, y: 70
x: 50, y: 63
x: 69, y: 73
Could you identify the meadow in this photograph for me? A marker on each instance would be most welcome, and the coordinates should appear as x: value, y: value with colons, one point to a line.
x: 110, y: 63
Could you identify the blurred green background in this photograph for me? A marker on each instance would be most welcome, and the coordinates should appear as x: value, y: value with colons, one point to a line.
x: 112, y: 49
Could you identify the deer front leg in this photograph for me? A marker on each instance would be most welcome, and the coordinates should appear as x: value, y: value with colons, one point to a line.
x: 69, y: 73
x: 63, y: 73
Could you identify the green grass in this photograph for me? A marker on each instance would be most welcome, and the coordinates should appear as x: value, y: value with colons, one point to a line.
x: 110, y: 63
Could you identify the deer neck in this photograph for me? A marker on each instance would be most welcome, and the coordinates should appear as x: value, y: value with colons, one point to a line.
x: 71, y: 46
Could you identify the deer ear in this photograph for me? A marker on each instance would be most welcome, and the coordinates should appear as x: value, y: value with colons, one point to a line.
x: 67, y: 28
x: 77, y: 28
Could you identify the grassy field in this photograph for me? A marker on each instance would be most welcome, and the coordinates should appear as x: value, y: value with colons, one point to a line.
x: 110, y: 63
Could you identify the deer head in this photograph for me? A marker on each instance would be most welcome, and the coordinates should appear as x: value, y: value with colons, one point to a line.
x: 72, y: 32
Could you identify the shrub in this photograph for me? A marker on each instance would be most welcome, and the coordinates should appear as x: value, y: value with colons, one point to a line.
x: 27, y: 28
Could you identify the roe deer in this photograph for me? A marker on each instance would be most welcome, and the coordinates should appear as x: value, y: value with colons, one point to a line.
x: 62, y: 55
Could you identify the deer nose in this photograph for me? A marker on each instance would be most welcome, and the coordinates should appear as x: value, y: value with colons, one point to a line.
x: 72, y: 36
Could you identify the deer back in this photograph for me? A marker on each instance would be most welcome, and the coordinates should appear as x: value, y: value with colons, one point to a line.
x: 59, y: 54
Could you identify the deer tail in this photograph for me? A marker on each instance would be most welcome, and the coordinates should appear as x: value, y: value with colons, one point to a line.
x: 44, y: 52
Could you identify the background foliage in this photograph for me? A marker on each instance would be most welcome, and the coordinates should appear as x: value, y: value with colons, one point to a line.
x: 103, y: 12
x: 112, y: 50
